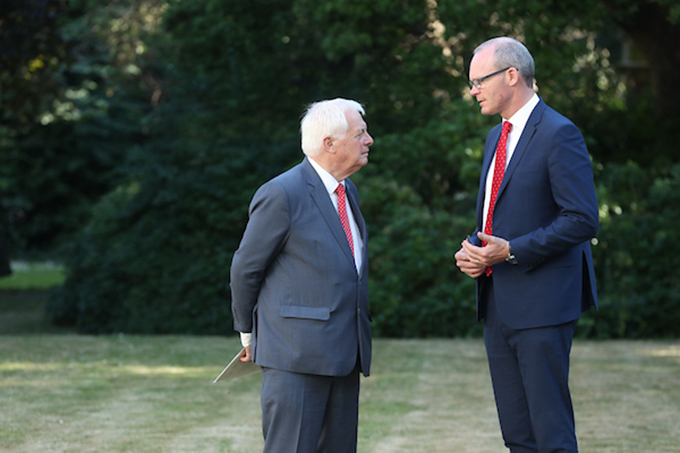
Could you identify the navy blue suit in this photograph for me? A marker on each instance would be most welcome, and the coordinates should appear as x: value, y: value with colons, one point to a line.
x: 547, y: 209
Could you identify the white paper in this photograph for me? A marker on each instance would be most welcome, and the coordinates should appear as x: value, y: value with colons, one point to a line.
x: 236, y: 368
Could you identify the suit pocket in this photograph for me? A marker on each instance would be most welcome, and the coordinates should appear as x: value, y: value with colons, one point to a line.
x: 294, y: 311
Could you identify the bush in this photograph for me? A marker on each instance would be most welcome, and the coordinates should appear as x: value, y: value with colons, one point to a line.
x: 155, y: 257
x: 227, y: 86
x: 637, y: 254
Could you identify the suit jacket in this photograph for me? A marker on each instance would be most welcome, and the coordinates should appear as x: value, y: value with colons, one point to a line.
x: 547, y: 209
x: 294, y: 283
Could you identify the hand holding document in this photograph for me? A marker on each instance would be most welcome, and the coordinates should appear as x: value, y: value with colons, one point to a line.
x: 236, y: 368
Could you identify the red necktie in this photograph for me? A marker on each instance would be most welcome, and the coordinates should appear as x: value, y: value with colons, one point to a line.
x: 498, y: 172
x: 342, y: 211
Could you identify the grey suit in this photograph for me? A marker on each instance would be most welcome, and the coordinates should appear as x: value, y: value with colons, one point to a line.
x: 296, y: 288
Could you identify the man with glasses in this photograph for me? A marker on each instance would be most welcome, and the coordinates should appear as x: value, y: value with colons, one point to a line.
x: 530, y: 254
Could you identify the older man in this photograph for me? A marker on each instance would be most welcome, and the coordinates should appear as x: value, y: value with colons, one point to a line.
x: 299, y: 282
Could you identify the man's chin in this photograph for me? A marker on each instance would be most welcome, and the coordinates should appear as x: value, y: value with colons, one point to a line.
x: 484, y: 108
x: 488, y: 111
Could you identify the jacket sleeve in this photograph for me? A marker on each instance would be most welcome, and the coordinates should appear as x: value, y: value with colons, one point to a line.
x: 263, y: 239
x: 573, y: 191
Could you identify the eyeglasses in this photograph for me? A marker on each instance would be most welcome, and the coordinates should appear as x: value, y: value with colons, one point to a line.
x: 477, y: 83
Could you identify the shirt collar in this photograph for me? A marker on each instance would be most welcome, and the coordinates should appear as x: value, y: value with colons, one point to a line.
x: 326, y: 178
x: 520, y: 118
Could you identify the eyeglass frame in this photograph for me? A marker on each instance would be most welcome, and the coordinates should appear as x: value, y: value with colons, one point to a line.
x: 477, y: 83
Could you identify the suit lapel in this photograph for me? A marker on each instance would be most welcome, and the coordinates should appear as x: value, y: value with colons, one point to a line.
x: 323, y: 202
x: 354, y: 204
x: 520, y: 149
x: 353, y: 197
x: 523, y: 144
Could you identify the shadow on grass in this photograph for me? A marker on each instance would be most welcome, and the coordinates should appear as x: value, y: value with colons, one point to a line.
x: 22, y: 313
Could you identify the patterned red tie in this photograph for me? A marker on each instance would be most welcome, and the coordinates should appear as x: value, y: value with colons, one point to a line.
x: 498, y: 172
x: 342, y: 210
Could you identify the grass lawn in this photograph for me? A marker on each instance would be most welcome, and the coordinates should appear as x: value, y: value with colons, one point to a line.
x: 22, y: 297
x: 32, y: 276
x: 71, y: 393
x: 62, y: 392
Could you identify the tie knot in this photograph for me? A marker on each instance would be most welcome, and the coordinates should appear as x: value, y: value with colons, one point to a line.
x: 340, y: 190
x: 507, y: 127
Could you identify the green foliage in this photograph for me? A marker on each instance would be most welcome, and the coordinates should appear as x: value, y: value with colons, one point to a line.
x: 418, y: 197
x: 31, y: 51
x: 179, y: 110
x: 636, y: 253
x: 60, y: 155
x: 155, y: 257
x: 415, y: 290
x: 55, y: 172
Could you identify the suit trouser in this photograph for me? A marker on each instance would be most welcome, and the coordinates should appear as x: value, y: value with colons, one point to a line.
x: 530, y: 373
x: 303, y: 413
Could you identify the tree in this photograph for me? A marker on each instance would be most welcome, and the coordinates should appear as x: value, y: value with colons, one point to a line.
x: 229, y: 80
x: 224, y: 125
x: 30, y: 52
x: 654, y: 28
x: 73, y: 104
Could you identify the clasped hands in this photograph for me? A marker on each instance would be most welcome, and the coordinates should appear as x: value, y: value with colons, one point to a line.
x: 473, y: 260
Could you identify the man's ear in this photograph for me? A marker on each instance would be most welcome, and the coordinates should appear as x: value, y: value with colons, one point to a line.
x: 515, y: 78
x: 328, y: 145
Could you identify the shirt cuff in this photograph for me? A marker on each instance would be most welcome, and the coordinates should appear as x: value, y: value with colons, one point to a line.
x: 246, y: 339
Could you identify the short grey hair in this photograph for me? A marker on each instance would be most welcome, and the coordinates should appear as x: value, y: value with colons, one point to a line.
x: 508, y: 52
x: 325, y: 119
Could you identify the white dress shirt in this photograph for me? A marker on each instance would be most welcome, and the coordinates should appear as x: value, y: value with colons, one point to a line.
x: 331, y: 185
x: 518, y: 121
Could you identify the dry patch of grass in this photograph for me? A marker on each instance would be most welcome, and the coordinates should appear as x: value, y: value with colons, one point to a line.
x: 123, y: 394
x: 428, y: 396
x: 154, y: 394
x: 435, y: 396
x: 632, y: 390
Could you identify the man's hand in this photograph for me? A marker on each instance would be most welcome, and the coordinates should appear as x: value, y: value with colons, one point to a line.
x: 473, y: 260
x: 468, y: 266
x: 245, y: 357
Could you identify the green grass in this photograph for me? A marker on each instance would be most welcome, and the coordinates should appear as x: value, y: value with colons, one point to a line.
x: 32, y: 276
x: 21, y: 312
x: 62, y: 392
x: 23, y: 295
x: 155, y: 394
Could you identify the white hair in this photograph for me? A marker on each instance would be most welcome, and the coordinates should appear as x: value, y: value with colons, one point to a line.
x: 325, y: 119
